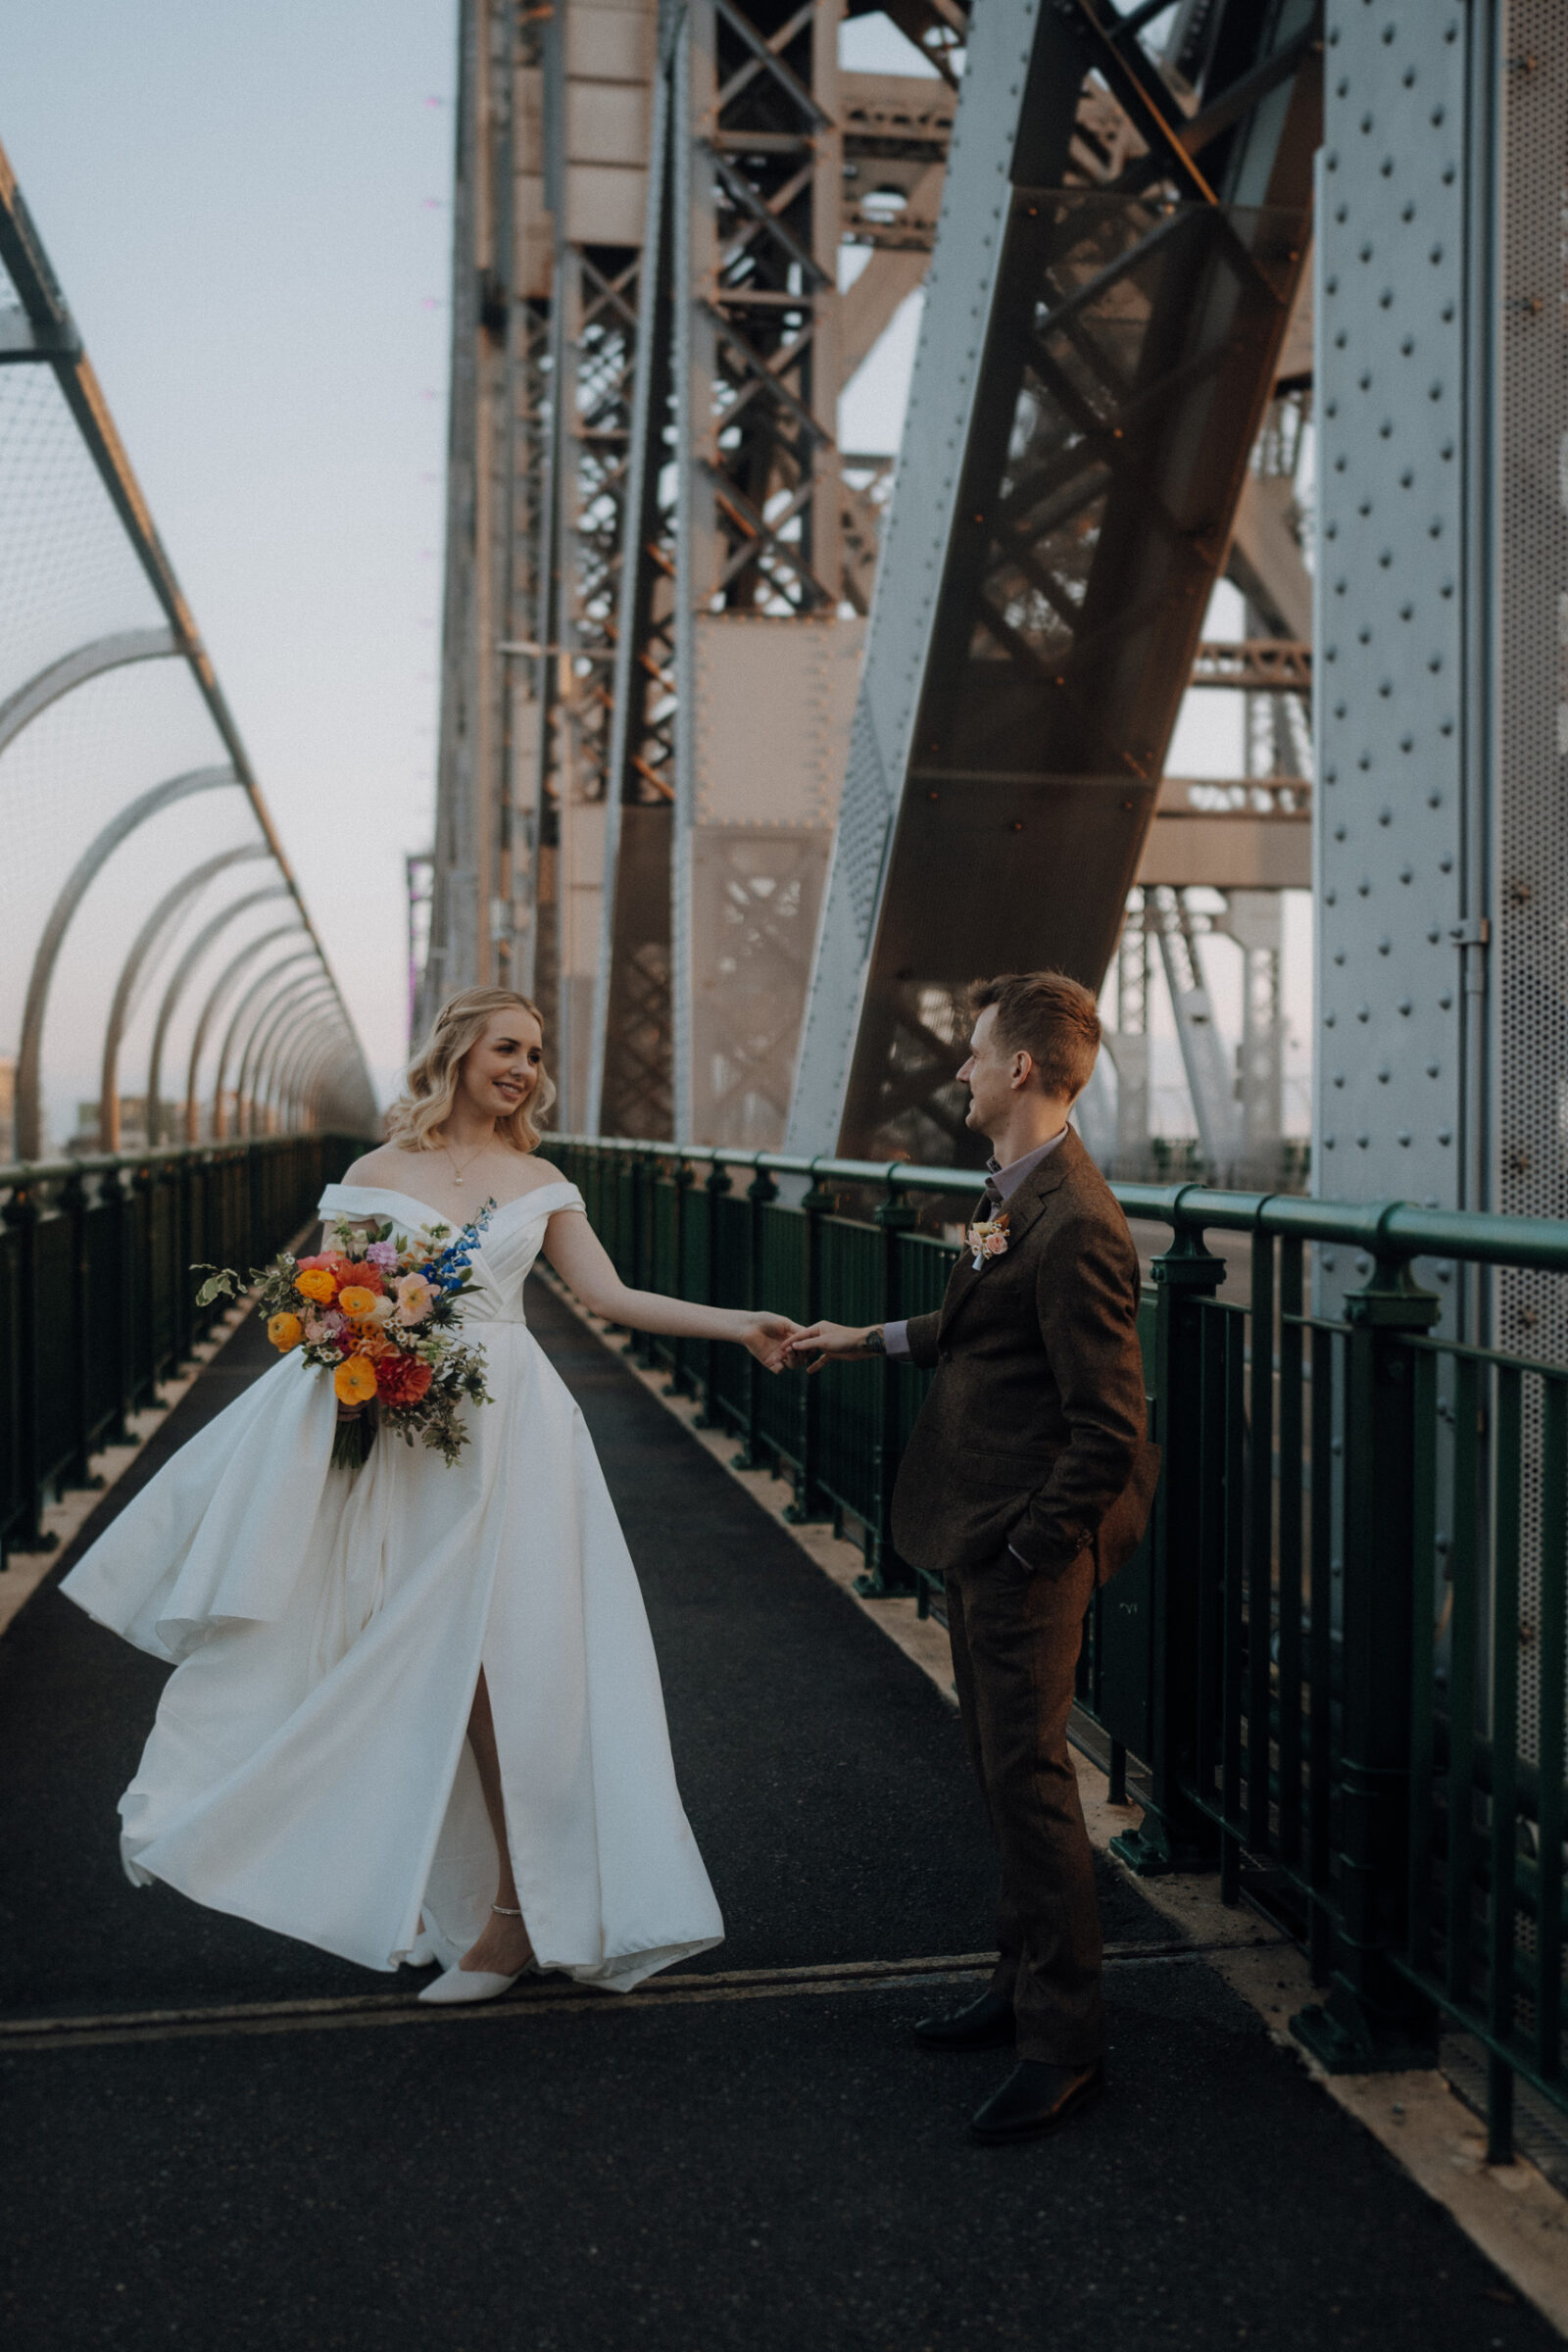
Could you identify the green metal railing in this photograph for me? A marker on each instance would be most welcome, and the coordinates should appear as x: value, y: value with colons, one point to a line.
x: 1339, y: 1656
x: 97, y: 1299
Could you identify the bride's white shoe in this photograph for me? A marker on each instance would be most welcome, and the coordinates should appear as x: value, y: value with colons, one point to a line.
x: 462, y: 1983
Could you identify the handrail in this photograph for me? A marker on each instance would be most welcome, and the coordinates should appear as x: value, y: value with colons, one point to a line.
x: 1390, y: 1231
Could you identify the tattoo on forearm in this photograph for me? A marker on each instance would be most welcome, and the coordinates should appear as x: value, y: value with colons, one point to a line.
x: 876, y: 1341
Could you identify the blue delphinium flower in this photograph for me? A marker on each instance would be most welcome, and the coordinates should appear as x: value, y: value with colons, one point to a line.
x: 449, y: 1270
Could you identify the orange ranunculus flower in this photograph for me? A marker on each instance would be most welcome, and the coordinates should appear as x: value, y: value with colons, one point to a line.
x: 356, y: 1302
x: 285, y: 1330
x: 354, y: 1381
x: 316, y: 1283
x: 373, y: 1343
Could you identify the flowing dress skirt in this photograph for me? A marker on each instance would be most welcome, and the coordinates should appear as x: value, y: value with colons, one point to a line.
x: 309, y: 1768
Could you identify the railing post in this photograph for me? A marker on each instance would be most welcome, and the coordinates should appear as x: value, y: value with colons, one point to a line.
x: 885, y: 1572
x: 714, y: 1190
x: 1373, y: 2018
x: 640, y: 1344
x: 759, y: 1193
x: 1173, y: 1834
x: 22, y: 1213
x: 809, y: 1502
x: 681, y: 1383
x: 74, y: 1205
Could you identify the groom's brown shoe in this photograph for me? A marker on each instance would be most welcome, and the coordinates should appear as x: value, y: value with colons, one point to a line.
x: 1037, y: 2097
x: 982, y: 2025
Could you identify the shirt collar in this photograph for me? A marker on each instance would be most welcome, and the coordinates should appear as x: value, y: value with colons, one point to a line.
x: 1006, y: 1180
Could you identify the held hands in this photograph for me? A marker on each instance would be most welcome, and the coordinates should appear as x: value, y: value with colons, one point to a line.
x: 835, y: 1342
x: 768, y: 1338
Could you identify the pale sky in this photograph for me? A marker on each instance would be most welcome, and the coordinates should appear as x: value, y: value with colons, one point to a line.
x: 249, y: 209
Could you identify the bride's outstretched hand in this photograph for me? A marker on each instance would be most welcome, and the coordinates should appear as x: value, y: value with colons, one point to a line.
x: 830, y: 1343
x: 768, y: 1338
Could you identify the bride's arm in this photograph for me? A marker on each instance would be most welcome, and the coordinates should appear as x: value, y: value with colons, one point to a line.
x: 584, y: 1265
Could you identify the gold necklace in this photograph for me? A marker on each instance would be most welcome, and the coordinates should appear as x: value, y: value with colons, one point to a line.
x: 459, y: 1175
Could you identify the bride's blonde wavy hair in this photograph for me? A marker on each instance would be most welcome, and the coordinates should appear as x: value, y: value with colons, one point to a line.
x: 432, y: 1085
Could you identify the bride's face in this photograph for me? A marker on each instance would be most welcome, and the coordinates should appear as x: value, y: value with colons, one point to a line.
x: 501, y: 1071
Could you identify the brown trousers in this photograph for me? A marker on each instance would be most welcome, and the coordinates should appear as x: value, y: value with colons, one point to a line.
x: 1015, y: 1640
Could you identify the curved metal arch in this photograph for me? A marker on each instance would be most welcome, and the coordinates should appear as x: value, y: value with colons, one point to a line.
x: 258, y: 1037
x: 272, y: 1033
x: 315, y: 1086
x: 215, y: 997
x: 177, y: 979
x: 333, y: 1084
x: 73, y: 669
x: 314, y: 1051
x: 274, y: 1071
x: 171, y: 903
x: 296, y: 1076
x: 247, y: 1001
x: 250, y: 1014
x: 318, y: 1053
x: 86, y: 871
x: 286, y: 1023
x: 285, y: 1029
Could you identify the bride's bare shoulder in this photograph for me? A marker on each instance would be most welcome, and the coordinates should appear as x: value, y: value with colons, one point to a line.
x: 383, y: 1166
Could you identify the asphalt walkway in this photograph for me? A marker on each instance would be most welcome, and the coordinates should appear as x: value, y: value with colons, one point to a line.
x: 233, y: 2139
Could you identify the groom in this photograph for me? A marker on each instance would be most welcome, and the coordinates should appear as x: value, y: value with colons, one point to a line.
x: 1027, y: 1479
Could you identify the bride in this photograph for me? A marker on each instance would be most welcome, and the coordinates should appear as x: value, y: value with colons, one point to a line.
x: 415, y: 1711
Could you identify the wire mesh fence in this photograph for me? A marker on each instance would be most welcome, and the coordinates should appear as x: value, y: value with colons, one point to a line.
x: 152, y: 935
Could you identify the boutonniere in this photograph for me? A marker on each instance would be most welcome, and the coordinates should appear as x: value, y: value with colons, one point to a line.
x: 988, y: 1238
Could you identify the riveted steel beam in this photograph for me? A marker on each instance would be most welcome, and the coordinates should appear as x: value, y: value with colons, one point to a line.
x: 1096, y: 352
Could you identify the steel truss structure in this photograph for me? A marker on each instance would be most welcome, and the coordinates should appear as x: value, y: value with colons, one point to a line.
x: 662, y: 566
x: 71, y: 497
x: 1101, y: 340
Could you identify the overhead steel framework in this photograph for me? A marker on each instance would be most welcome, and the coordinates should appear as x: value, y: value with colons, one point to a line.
x: 1098, y: 351
x: 66, y: 447
x: 662, y: 606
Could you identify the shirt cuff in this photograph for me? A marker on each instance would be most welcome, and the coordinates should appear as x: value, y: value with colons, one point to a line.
x: 896, y: 1339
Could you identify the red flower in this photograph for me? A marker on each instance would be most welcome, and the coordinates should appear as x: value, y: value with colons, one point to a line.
x: 401, y: 1379
x: 360, y: 1273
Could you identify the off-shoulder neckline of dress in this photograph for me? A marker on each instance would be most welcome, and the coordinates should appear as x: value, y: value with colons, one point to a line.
x: 388, y: 1192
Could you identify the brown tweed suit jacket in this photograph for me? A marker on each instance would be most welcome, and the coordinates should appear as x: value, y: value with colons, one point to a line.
x: 1034, y: 1432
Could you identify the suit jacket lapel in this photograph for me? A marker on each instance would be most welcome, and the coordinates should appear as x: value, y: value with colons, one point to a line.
x: 1023, y: 1208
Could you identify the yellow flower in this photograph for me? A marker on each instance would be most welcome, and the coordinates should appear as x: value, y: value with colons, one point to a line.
x: 316, y: 1283
x: 355, y: 1381
x: 356, y: 1303
x: 285, y: 1332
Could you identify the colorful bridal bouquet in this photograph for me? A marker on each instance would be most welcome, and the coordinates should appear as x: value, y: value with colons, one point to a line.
x: 381, y: 1314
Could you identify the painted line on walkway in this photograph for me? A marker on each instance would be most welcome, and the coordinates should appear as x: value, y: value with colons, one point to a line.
x: 552, y: 1999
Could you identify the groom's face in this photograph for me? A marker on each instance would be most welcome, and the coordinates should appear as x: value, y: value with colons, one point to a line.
x: 988, y: 1074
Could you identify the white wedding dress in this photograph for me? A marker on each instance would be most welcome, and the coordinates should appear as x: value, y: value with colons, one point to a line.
x: 309, y: 1768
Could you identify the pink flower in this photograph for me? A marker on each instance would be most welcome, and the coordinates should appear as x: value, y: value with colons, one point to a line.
x: 384, y: 1255
x: 416, y: 1297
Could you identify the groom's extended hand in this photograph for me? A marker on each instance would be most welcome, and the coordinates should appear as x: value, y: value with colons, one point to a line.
x: 835, y: 1342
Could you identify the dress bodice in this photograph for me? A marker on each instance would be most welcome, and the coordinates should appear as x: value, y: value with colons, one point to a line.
x: 508, y: 1246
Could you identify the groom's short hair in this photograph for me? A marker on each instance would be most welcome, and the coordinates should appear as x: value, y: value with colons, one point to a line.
x: 1050, y: 1016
